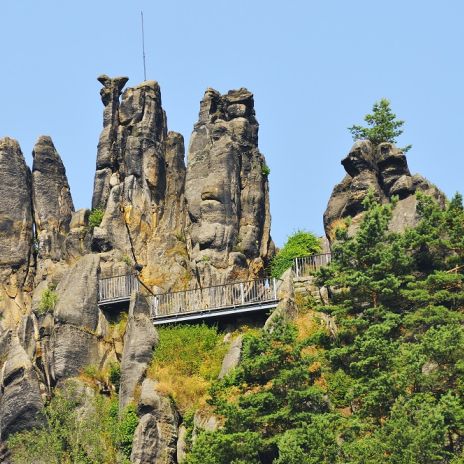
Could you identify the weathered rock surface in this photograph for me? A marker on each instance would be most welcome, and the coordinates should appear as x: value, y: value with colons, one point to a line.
x: 227, y: 190
x: 286, y: 308
x: 383, y: 169
x: 206, y: 224
x: 15, y: 206
x: 232, y: 357
x: 16, y: 229
x: 53, y: 206
x: 155, y: 439
x: 139, y: 342
x: 20, y: 399
x: 75, y: 343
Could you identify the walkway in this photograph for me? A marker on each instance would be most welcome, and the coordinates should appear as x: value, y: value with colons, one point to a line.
x: 201, y: 303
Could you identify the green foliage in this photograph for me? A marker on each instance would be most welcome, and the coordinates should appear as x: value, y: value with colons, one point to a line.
x: 186, y: 360
x: 126, y: 428
x: 48, y: 301
x: 299, y: 244
x: 114, y: 375
x: 383, y: 125
x: 77, y: 429
x: 388, y: 385
x: 265, y: 170
x: 272, y: 391
x: 96, y: 217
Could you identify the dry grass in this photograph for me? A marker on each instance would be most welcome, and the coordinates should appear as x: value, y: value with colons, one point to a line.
x: 186, y: 361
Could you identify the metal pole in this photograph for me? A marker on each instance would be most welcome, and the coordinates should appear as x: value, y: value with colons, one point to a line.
x: 143, y: 50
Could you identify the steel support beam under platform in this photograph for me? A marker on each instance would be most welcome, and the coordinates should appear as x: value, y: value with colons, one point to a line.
x: 215, y: 312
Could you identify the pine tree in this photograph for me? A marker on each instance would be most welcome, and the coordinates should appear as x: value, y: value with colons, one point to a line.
x: 382, y: 125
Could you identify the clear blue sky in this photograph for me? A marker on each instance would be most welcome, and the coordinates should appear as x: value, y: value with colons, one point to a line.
x: 315, y: 68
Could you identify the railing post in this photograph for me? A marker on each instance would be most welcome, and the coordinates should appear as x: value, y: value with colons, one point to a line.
x: 275, y: 288
x: 297, y: 271
x: 242, y: 293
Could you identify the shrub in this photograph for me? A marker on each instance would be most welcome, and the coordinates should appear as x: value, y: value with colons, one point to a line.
x: 299, y: 244
x: 77, y: 429
x: 48, y: 301
x: 265, y: 170
x: 114, y: 375
x: 96, y: 217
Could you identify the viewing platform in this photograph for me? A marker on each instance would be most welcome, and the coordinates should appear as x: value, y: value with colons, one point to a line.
x: 201, y: 303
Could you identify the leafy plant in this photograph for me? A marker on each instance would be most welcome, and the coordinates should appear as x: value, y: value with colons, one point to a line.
x: 382, y: 125
x: 48, y: 300
x: 114, y: 375
x: 299, y: 244
x: 265, y: 170
x: 96, y: 217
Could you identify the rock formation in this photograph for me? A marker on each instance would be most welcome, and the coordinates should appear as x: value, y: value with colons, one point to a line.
x: 208, y: 223
x: 180, y: 226
x: 53, y: 206
x: 227, y: 190
x: 383, y: 169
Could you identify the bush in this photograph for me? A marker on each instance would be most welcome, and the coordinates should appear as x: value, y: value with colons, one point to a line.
x: 299, y: 244
x: 96, y: 217
x: 48, y: 301
x: 77, y: 429
x: 114, y: 375
x: 265, y: 170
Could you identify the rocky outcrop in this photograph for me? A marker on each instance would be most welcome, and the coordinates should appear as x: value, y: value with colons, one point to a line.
x: 227, y: 190
x: 286, y: 308
x: 20, y: 398
x: 74, y: 338
x: 155, y: 439
x: 16, y: 229
x: 207, y: 224
x: 139, y: 342
x: 53, y: 206
x: 15, y: 207
x: 382, y: 169
x: 232, y: 358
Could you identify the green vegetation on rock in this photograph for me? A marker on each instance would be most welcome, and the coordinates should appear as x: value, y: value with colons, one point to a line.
x: 300, y: 243
x: 79, y: 428
x: 186, y: 361
x: 382, y: 125
x: 96, y: 217
x: 48, y: 301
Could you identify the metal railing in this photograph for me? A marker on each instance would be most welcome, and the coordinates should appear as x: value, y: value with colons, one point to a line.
x: 241, y: 294
x: 305, y: 265
x: 118, y: 288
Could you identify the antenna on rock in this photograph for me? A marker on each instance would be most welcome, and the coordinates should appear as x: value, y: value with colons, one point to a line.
x: 143, y: 50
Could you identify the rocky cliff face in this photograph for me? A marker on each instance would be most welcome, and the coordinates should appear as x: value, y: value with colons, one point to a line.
x: 206, y: 223
x: 227, y: 190
x: 384, y: 170
x: 183, y: 226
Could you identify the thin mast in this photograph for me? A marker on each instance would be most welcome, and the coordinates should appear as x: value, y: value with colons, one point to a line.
x: 143, y: 50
